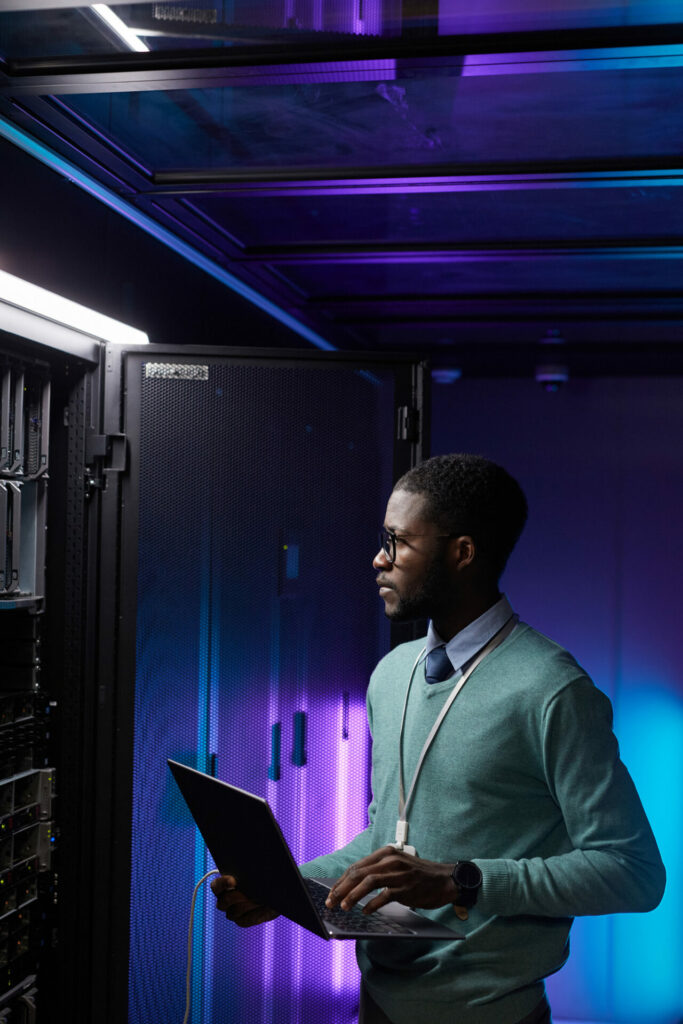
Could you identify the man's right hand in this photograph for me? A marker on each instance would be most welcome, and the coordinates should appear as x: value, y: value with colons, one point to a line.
x: 236, y: 906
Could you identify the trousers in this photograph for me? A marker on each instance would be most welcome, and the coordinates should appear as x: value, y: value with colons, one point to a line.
x: 371, y: 1013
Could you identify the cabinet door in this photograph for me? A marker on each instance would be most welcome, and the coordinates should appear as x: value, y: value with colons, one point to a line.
x: 250, y: 511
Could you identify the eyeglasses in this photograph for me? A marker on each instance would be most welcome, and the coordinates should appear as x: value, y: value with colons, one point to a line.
x: 387, y: 540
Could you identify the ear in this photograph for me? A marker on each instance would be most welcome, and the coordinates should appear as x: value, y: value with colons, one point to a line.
x: 462, y: 552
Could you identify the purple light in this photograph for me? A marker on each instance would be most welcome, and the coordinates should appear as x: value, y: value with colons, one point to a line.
x: 350, y: 812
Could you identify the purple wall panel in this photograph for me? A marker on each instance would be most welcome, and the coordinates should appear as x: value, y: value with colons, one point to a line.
x: 598, y: 569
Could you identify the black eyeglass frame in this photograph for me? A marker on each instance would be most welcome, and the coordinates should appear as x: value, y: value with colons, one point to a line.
x: 388, y: 538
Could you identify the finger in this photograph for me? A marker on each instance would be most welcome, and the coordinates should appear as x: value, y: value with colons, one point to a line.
x: 350, y: 894
x: 232, y: 898
x: 223, y: 883
x: 385, y: 859
x: 368, y: 885
x: 460, y: 912
x: 380, y: 900
x: 231, y: 902
x: 372, y: 859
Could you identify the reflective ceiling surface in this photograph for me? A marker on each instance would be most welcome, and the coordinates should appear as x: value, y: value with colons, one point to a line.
x: 472, y: 181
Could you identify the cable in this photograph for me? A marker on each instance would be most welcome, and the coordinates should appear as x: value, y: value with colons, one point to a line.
x: 189, y: 942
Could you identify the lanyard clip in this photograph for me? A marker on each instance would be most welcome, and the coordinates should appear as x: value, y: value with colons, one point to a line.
x: 401, y: 836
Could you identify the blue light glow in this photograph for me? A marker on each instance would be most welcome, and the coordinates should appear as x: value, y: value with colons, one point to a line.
x: 648, y: 949
x: 613, y: 58
x: 98, y: 191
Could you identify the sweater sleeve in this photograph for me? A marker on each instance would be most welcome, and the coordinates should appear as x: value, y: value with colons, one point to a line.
x: 614, y: 865
x: 332, y: 865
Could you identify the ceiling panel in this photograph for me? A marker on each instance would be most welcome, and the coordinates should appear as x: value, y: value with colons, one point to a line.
x: 324, y: 223
x: 536, y: 275
x: 426, y: 121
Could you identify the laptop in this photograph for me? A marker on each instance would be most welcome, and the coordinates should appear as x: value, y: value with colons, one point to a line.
x: 245, y: 840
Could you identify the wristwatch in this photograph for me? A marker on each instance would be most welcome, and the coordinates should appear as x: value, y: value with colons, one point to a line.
x: 468, y: 879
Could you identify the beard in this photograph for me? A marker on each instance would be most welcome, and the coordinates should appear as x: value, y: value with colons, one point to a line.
x: 426, y: 601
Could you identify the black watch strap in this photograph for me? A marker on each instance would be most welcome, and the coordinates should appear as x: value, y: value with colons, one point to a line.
x: 467, y: 877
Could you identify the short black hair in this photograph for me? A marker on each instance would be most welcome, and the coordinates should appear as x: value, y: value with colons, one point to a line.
x: 470, y: 495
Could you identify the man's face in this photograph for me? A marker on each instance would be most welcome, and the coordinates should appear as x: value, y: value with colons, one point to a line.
x: 418, y: 583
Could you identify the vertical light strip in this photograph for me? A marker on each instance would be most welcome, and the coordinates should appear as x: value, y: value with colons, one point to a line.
x: 301, y: 855
x: 341, y: 837
x: 271, y: 796
x: 46, y: 156
x: 127, y: 35
x: 211, y: 705
x: 203, y: 670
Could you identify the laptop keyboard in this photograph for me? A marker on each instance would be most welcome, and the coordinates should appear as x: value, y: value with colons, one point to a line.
x: 353, y: 920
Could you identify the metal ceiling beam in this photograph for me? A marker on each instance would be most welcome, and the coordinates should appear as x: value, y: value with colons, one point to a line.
x: 260, y: 182
x: 481, y: 253
x: 292, y: 47
x: 359, y: 60
x: 541, y: 306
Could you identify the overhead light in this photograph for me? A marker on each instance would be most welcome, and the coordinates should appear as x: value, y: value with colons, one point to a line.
x: 33, y: 312
x: 446, y: 374
x: 118, y: 26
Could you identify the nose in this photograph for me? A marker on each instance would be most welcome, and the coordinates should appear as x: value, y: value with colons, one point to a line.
x: 380, y: 561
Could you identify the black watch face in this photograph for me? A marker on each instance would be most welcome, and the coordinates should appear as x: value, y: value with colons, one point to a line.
x: 467, y: 875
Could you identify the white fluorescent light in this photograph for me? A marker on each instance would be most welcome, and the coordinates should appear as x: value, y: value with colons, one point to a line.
x: 17, y: 295
x: 117, y: 25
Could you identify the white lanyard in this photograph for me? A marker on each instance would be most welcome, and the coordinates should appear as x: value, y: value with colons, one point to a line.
x: 403, y: 801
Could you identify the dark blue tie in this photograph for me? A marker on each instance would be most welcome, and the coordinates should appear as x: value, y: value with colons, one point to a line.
x: 438, y: 666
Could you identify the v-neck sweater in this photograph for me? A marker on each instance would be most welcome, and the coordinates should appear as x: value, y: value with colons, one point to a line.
x: 524, y: 778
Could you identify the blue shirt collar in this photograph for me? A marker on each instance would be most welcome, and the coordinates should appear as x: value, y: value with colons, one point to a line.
x: 465, y: 644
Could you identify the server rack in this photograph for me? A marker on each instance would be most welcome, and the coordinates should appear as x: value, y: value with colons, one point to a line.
x: 43, y: 673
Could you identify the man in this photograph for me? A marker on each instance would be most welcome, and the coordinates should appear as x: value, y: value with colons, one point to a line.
x: 521, y: 815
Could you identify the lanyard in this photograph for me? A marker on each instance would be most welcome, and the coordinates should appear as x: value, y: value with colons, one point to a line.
x: 403, y: 801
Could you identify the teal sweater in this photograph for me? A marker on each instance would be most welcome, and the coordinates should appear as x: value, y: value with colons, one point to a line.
x: 524, y: 778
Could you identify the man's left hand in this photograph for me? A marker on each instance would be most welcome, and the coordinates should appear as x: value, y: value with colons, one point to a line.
x: 402, y: 877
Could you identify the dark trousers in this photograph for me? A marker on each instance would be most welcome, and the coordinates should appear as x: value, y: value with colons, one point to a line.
x: 370, y: 1012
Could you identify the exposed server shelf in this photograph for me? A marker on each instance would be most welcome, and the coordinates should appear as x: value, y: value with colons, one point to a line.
x: 24, y: 440
x: 23, y: 505
x: 24, y: 733
x: 26, y: 840
x: 24, y: 419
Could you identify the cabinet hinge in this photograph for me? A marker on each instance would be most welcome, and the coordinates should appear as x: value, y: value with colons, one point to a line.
x: 407, y: 424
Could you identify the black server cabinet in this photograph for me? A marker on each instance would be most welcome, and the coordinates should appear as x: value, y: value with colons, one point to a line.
x: 238, y: 625
x: 48, y: 405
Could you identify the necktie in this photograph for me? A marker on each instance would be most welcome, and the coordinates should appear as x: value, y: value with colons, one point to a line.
x: 438, y: 666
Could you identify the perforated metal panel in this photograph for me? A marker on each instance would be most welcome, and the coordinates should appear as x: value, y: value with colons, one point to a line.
x: 260, y: 488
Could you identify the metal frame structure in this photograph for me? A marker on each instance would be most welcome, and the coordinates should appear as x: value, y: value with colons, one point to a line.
x: 34, y: 96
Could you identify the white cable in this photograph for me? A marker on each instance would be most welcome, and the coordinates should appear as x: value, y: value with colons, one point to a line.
x: 189, y: 942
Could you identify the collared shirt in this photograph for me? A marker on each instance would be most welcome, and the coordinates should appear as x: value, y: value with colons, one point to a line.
x: 464, y: 645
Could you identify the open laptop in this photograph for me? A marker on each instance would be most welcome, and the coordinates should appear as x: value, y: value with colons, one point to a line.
x: 245, y: 841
